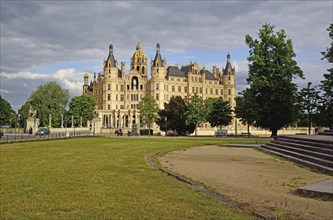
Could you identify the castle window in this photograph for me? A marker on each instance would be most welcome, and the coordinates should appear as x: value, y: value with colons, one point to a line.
x: 185, y: 89
x: 109, y: 97
x: 229, y: 91
x: 221, y: 91
x: 121, y: 97
x: 109, y: 71
x: 157, y: 96
x: 173, y: 88
x: 200, y: 90
x: 117, y: 87
x: 157, y: 86
x: 211, y: 91
x: 143, y: 70
x: 141, y: 87
x: 196, y: 90
x: 109, y: 107
x: 193, y: 89
x: 117, y: 97
x: 109, y: 86
x: 179, y: 89
x: 121, y: 107
x: 138, y: 68
x: 128, y: 87
x: 157, y: 70
x: 121, y: 87
x: 178, y: 79
x: 192, y: 79
x: 217, y: 92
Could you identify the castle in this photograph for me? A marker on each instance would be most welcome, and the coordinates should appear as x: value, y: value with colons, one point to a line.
x: 117, y: 94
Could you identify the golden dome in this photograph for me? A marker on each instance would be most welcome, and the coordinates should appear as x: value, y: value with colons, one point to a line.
x: 138, y: 53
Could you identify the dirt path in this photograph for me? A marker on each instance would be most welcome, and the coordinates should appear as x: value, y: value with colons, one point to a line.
x: 256, y: 180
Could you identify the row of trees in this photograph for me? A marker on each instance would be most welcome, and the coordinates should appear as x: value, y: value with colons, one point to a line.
x: 183, y: 116
x: 52, y: 99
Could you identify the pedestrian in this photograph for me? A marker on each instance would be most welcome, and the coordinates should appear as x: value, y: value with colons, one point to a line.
x: 30, y: 130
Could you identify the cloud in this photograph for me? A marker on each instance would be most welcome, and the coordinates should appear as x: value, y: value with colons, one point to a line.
x: 4, y: 91
x: 41, y: 34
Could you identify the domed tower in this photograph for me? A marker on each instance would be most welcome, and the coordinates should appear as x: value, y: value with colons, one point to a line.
x: 139, y: 61
x: 228, y: 80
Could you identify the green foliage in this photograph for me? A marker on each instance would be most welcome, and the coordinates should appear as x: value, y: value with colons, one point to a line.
x: 326, y: 86
x: 7, y: 114
x: 246, y: 107
x: 148, y: 110
x: 173, y: 117
x: 84, y: 106
x: 196, y: 112
x: 271, y: 70
x: 309, y: 98
x: 219, y: 113
x: 48, y: 99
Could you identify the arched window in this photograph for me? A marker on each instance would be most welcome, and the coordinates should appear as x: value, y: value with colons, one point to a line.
x: 143, y: 70
x: 138, y: 68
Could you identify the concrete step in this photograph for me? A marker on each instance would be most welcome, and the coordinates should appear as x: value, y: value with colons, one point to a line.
x: 307, y: 150
x: 300, y: 155
x: 312, y: 165
x: 315, y: 143
x: 325, y: 149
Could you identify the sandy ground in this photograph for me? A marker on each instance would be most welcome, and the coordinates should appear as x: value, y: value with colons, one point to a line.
x: 257, y: 181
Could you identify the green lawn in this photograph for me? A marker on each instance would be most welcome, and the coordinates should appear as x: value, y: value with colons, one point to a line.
x: 101, y: 178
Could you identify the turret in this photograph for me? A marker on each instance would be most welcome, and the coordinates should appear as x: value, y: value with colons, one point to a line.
x: 122, y: 69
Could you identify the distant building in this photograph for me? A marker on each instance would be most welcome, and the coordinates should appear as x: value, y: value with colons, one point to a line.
x: 118, y: 94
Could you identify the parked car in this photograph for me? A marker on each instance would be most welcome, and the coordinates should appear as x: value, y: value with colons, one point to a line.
x: 171, y: 133
x: 43, y: 131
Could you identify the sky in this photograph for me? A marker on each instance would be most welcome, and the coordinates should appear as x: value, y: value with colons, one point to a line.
x: 43, y: 41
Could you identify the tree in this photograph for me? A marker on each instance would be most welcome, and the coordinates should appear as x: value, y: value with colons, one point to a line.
x: 309, y: 97
x: 7, y: 114
x: 196, y: 112
x: 148, y: 110
x: 271, y: 70
x: 48, y: 99
x: 220, y: 113
x: 173, y: 117
x: 246, y: 109
x: 82, y: 106
x: 326, y: 100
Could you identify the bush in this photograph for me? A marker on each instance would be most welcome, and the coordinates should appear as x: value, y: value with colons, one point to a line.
x: 146, y: 132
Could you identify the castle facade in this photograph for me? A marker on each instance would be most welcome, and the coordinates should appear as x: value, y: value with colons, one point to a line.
x: 117, y: 94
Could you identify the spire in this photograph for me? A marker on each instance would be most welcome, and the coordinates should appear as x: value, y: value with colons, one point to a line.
x: 228, y: 68
x: 158, y: 48
x: 138, y: 47
x: 158, y: 58
x: 110, y: 48
x: 111, y: 58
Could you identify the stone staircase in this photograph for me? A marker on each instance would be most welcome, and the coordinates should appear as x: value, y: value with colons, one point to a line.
x: 313, y: 153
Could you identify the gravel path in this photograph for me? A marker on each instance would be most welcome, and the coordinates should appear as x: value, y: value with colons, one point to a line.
x: 256, y: 180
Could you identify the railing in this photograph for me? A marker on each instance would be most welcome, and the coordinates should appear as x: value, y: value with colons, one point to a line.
x: 7, y: 138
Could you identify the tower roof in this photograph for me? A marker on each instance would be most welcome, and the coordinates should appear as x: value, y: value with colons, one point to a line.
x: 228, y: 70
x: 158, y: 58
x: 111, y: 57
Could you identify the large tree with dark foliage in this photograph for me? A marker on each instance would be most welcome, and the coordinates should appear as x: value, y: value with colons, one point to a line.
x: 326, y: 100
x: 246, y: 109
x: 48, y: 99
x: 220, y: 113
x: 7, y: 114
x: 271, y: 71
x: 196, y: 112
x: 173, y: 116
x: 309, y: 97
x: 81, y: 106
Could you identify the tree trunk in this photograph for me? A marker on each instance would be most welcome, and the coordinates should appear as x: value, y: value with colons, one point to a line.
x: 196, y: 128
x: 149, y: 130
x: 274, y: 133
x: 248, y: 130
